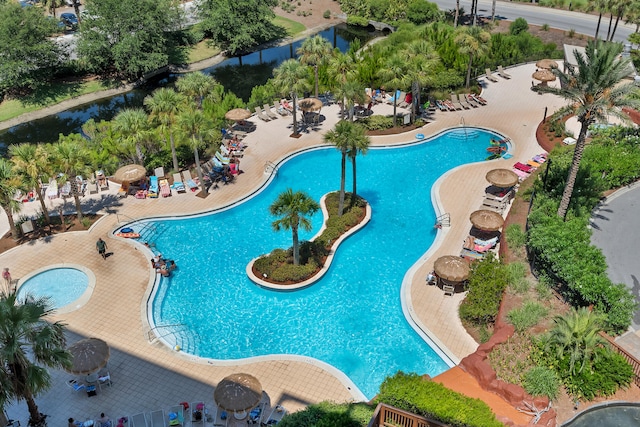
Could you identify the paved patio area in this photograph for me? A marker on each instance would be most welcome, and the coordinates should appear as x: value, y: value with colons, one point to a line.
x: 149, y: 376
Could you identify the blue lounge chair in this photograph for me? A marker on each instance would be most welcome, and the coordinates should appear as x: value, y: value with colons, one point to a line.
x: 193, y: 186
x: 178, y: 185
x: 153, y: 187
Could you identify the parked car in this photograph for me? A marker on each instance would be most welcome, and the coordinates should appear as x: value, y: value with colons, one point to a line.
x: 70, y: 20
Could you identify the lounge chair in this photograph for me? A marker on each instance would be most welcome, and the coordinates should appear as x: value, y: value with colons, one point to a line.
x: 502, y: 73
x: 280, y: 109
x: 261, y: 115
x: 523, y: 167
x: 441, y: 105
x: 52, y: 189
x: 465, y: 101
x: 122, y: 422
x: 159, y: 172
x: 65, y: 191
x: 470, y: 255
x: 75, y: 385
x: 276, y: 415
x: 268, y: 112
x: 226, y: 153
x: 175, y: 416
x: 124, y: 189
x: 165, y: 188
x: 456, y: 99
x: 493, y: 205
x: 178, y: 185
x: 490, y: 75
x: 221, y: 158
x: 153, y: 187
x: 158, y: 419
x: 455, y: 102
x: 103, y: 184
x: 139, y: 420
x: 193, y: 186
x: 198, y: 413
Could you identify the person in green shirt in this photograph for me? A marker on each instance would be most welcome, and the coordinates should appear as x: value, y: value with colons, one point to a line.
x: 101, y: 246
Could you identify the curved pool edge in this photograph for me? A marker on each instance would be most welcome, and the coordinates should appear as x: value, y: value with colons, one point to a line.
x: 77, y: 303
x: 597, y: 406
x: 325, y: 268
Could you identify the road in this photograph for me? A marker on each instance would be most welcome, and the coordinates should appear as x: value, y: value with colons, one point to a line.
x: 562, y: 19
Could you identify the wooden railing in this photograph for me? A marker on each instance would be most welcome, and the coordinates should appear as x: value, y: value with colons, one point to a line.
x: 635, y: 363
x: 388, y: 416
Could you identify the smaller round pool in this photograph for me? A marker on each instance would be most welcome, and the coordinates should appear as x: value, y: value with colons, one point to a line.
x: 64, y: 286
x: 608, y: 414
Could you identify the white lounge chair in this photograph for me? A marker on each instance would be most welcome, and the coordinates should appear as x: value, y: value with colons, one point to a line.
x: 193, y: 186
x: 261, y: 115
x: 490, y: 76
x: 158, y: 419
x: 139, y: 420
x: 178, y: 185
x: 276, y: 415
x: 268, y: 112
x: 502, y: 73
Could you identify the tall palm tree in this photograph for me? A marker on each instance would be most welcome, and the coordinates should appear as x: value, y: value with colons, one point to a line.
x: 422, y: 59
x: 593, y: 91
x: 315, y: 51
x: 358, y: 144
x: 133, y: 126
x: 9, y: 184
x: 341, y: 70
x: 194, y: 125
x: 340, y: 137
x: 70, y: 157
x: 457, y: 15
x: 293, y: 210
x: 291, y: 76
x: 196, y: 85
x: 600, y: 6
x: 620, y: 8
x: 349, y: 93
x: 394, y: 74
x: 32, y: 164
x: 472, y: 41
x: 576, y: 335
x: 164, y: 106
x: 29, y: 344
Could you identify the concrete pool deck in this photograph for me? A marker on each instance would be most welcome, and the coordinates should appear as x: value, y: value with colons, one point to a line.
x: 149, y: 376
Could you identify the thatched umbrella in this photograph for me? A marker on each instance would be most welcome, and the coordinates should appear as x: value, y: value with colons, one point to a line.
x: 130, y: 173
x: 310, y: 104
x: 547, y: 64
x: 486, y: 220
x: 451, y: 268
x: 503, y: 178
x: 238, y: 392
x: 88, y: 356
x: 237, y: 114
x: 544, y: 76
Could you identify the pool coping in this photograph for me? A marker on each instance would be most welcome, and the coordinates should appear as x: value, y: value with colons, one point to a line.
x: 601, y: 405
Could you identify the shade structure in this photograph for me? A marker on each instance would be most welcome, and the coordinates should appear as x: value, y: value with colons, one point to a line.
x: 310, y: 104
x: 544, y: 75
x: 503, y: 178
x: 451, y: 268
x: 486, y: 220
x: 237, y: 114
x: 547, y: 64
x: 88, y: 356
x: 238, y: 392
x: 130, y: 173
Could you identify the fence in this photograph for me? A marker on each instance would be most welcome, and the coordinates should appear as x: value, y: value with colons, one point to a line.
x: 388, y: 416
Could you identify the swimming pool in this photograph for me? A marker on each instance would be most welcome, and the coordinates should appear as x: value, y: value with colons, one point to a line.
x: 608, y: 414
x: 352, y: 318
x: 68, y: 288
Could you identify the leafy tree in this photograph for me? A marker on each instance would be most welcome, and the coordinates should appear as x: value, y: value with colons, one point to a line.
x: 518, y: 26
x: 194, y: 125
x: 358, y: 144
x: 9, y: 184
x: 32, y: 164
x: 28, y: 55
x: 315, y: 51
x: 420, y: 12
x: 164, y: 106
x: 197, y: 86
x: 422, y: 62
x: 293, y: 210
x: 475, y: 42
x: 593, y: 91
x: 28, y: 345
x: 291, y: 76
x: 133, y: 126
x: 130, y: 38
x: 238, y: 25
x: 70, y: 157
x: 394, y: 74
x: 487, y: 281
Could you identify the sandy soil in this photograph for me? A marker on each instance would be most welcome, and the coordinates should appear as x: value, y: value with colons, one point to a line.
x: 316, y: 8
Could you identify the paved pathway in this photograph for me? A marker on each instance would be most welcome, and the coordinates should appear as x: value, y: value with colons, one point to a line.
x: 149, y: 376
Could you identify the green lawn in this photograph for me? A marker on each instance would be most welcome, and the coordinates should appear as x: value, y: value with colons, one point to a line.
x: 293, y: 28
x: 202, y: 51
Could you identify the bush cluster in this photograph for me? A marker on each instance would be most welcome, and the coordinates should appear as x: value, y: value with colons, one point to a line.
x: 541, y: 381
x: 328, y: 414
x: 376, y: 122
x: 421, y: 396
x: 487, y: 281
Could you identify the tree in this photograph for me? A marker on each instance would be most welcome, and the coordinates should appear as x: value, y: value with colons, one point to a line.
x: 197, y: 86
x: 457, y: 15
x: 164, y: 106
x: 133, y: 126
x: 472, y: 41
x: 422, y: 62
x: 32, y: 163
x: 576, y: 335
x: 28, y: 345
x: 70, y: 157
x: 358, y: 144
x: 28, y: 55
x: 315, y: 51
x: 238, y: 25
x: 394, y: 74
x: 293, y: 210
x: 194, y: 125
x: 340, y: 137
x: 342, y: 69
x: 52, y: 5
x: 619, y: 7
x: 601, y: 7
x: 130, y: 38
x: 10, y: 183
x: 594, y: 91
x: 291, y: 76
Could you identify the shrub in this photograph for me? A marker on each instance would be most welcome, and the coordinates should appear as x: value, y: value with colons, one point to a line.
x: 487, y: 281
x: 357, y: 21
x: 516, y: 238
x: 545, y: 27
x: 541, y: 381
x: 86, y: 222
x: 421, y: 396
x: 326, y: 14
x: 518, y: 26
x: 571, y: 33
x: 517, y: 277
x: 376, y: 122
x: 330, y: 414
x: 528, y: 315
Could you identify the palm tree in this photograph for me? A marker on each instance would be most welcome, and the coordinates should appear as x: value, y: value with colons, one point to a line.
x: 422, y: 60
x: 194, y: 125
x: 315, y: 51
x: 52, y: 5
x: 164, y: 105
x: 341, y: 70
x: 457, y: 15
x: 340, y: 137
x: 31, y: 163
x: 28, y: 345
x: 493, y: 10
x: 349, y: 93
x: 133, y: 126
x: 9, y: 184
x: 291, y: 76
x: 593, y: 91
x: 196, y: 85
x: 71, y: 157
x: 358, y: 144
x: 576, y: 335
x: 293, y: 210
x: 601, y: 6
x: 620, y: 9
x: 394, y: 74
x: 472, y: 41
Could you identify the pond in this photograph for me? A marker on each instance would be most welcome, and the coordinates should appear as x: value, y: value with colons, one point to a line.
x: 237, y: 74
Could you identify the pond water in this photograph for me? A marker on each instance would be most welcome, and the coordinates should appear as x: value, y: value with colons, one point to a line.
x: 237, y: 74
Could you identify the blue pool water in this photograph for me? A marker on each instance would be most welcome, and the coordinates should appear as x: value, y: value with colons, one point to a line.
x: 352, y: 318
x: 61, y: 285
